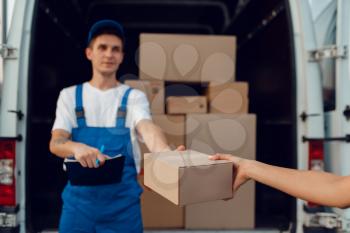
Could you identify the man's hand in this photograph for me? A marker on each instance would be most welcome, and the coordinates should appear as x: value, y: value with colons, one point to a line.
x: 87, y: 156
x: 239, y: 168
x: 62, y: 146
x: 181, y: 148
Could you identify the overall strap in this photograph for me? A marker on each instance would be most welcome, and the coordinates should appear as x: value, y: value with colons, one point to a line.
x: 121, y: 114
x: 79, y: 109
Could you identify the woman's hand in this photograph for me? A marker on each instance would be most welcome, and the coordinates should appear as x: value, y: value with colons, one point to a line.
x: 239, y: 168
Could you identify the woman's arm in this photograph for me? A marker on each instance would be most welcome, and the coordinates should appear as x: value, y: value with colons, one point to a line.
x: 318, y: 187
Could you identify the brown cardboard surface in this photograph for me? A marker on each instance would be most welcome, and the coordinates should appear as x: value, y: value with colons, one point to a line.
x: 237, y: 213
x: 154, y: 91
x: 222, y: 133
x: 194, y: 58
x: 228, y: 98
x: 186, y: 177
x: 186, y: 104
x: 158, y: 212
x: 225, y: 133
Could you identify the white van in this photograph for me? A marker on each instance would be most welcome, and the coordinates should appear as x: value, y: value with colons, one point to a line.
x: 294, y: 57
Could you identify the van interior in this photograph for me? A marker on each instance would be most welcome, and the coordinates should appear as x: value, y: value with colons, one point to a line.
x: 264, y: 60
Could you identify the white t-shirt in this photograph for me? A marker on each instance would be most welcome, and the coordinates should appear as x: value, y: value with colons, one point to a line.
x: 100, y: 107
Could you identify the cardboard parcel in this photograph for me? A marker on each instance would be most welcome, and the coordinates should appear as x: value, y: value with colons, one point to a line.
x: 187, y: 58
x: 154, y: 91
x: 158, y: 212
x: 225, y: 133
x: 186, y: 104
x: 231, y: 98
x: 187, y: 177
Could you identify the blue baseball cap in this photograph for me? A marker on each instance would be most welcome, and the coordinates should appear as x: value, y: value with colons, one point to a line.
x: 106, y: 26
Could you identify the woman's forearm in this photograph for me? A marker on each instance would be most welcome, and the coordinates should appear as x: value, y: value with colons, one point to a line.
x: 318, y: 187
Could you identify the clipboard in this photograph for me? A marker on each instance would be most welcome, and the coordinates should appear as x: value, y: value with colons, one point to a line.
x: 109, y: 173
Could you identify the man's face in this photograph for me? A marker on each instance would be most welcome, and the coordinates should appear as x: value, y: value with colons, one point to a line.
x: 105, y: 53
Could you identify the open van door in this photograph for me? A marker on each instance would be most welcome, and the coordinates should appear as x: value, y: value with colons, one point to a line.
x: 338, y: 115
x: 338, y: 120
x: 13, y: 106
x: 11, y: 43
x: 310, y: 114
x: 329, y: 23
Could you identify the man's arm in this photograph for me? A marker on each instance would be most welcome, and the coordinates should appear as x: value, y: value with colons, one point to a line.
x: 153, y: 136
x: 62, y: 146
x: 60, y: 143
x: 318, y: 187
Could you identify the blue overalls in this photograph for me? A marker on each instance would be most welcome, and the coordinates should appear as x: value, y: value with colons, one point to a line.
x: 104, y: 208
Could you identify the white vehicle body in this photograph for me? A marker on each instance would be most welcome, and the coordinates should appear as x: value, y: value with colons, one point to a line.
x: 320, y: 41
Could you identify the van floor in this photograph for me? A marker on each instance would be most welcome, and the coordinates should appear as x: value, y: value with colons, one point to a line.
x: 264, y: 60
x: 192, y: 231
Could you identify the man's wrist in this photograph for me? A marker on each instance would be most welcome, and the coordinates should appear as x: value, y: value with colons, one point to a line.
x: 74, y: 147
x: 165, y: 149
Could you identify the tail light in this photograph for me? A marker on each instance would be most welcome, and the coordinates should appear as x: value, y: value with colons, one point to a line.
x: 316, y: 158
x: 7, y: 172
x: 316, y: 161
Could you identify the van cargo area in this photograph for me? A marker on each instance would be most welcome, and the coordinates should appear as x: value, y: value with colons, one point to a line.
x: 264, y: 60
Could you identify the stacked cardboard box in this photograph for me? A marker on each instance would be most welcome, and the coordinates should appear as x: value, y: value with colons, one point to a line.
x: 214, y: 120
x: 230, y: 98
x: 187, y: 58
x: 225, y: 133
x: 154, y: 91
x: 186, y: 104
x: 157, y: 212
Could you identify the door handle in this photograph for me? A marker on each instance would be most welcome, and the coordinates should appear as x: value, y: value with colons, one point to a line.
x: 346, y: 138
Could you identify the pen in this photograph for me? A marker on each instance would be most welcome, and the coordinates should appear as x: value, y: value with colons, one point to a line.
x: 102, y: 148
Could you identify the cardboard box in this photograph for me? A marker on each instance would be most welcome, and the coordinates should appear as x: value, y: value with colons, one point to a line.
x: 186, y: 104
x: 158, y: 212
x: 154, y: 91
x: 194, y: 58
x: 187, y: 177
x: 228, y: 98
x: 224, y: 133
x: 237, y: 213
